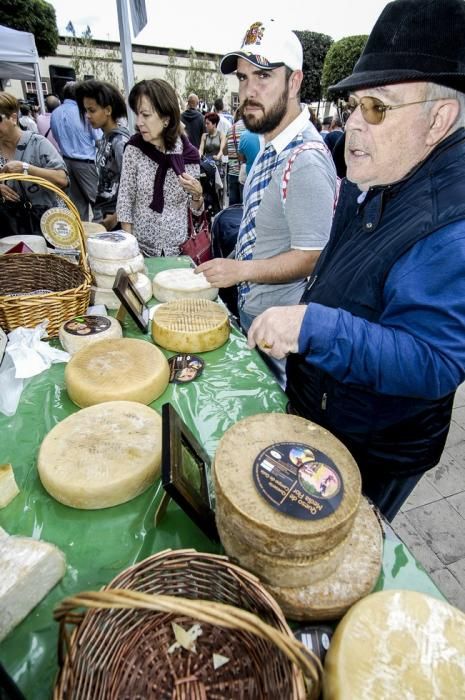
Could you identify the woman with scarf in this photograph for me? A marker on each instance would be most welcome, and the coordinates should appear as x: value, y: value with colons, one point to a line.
x: 160, y: 175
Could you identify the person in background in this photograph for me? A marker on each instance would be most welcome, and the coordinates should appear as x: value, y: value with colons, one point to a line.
x: 160, y: 176
x: 193, y: 120
x: 231, y: 150
x: 249, y: 148
x: 26, y: 120
x: 212, y: 147
x: 77, y: 142
x: 325, y: 124
x: 43, y: 120
x: 103, y: 105
x: 25, y: 152
x: 334, y: 134
x: 377, y: 343
x: 225, y: 120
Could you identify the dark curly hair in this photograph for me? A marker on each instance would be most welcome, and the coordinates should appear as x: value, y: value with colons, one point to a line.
x: 105, y: 95
x: 164, y: 101
x: 213, y: 118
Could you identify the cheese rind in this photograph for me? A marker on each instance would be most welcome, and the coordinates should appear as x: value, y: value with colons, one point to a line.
x: 354, y: 578
x: 397, y: 644
x: 82, y: 331
x: 106, y: 297
x: 8, y: 487
x: 121, y: 369
x: 190, y: 325
x: 102, y: 456
x: 111, y: 267
x: 257, y: 522
x: 182, y: 283
x: 113, y: 245
x: 29, y: 570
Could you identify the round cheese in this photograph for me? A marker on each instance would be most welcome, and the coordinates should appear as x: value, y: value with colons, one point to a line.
x: 106, y: 266
x: 182, y: 283
x: 397, y: 644
x: 123, y: 369
x: 84, y: 330
x: 270, y: 472
x: 91, y: 227
x: 112, y: 245
x: 102, y: 456
x: 107, y: 281
x: 355, y: 577
x: 36, y: 243
x: 143, y: 286
x: 106, y: 297
x: 280, y: 571
x: 190, y: 325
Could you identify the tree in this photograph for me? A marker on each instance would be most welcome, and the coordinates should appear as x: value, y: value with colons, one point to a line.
x: 341, y: 59
x: 35, y: 16
x: 86, y: 60
x: 172, y: 73
x: 204, y: 78
x: 315, y: 48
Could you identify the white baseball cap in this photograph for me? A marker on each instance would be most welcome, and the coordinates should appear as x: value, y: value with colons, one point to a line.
x: 266, y: 45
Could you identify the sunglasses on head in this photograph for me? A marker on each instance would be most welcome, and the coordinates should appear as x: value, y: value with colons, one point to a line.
x: 374, y: 110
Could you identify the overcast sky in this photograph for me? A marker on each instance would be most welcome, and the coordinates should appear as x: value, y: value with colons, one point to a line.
x: 219, y: 26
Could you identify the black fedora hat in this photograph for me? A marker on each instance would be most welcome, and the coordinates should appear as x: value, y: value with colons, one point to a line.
x: 412, y: 40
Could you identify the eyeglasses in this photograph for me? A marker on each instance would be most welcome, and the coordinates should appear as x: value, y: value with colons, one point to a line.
x: 374, y: 110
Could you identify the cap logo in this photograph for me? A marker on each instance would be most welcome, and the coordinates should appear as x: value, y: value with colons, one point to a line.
x: 254, y: 34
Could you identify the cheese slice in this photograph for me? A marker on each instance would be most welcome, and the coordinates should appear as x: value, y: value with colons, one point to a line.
x: 113, y: 245
x: 190, y: 325
x: 106, y: 266
x: 397, y: 644
x: 8, y: 486
x: 84, y: 330
x: 280, y: 571
x: 355, y: 577
x: 102, y: 456
x: 182, y: 283
x: 121, y: 369
x: 29, y: 570
x: 267, y: 528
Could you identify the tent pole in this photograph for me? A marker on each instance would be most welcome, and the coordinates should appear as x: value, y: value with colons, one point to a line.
x: 126, y: 54
x: 40, y: 94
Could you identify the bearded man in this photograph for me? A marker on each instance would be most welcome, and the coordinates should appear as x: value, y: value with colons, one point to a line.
x: 286, y: 223
x: 378, y: 341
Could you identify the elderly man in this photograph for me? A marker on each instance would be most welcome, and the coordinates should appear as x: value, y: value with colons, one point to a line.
x: 288, y: 205
x: 379, y: 336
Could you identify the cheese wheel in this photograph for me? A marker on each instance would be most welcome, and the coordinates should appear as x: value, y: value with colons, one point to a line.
x: 280, y: 571
x: 84, y: 330
x: 113, y: 245
x: 102, y: 456
x: 103, y: 281
x: 8, y: 486
x: 272, y: 500
x: 397, y: 644
x: 91, y: 227
x: 106, y: 297
x: 111, y: 267
x: 123, y: 369
x: 107, y: 281
x: 143, y: 286
x: 182, y: 283
x: 355, y: 577
x: 190, y: 325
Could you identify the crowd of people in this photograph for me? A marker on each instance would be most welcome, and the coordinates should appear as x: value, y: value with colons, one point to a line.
x: 351, y: 290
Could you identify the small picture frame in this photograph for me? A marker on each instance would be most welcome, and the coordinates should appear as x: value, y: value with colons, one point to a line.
x: 184, y: 473
x: 131, y: 300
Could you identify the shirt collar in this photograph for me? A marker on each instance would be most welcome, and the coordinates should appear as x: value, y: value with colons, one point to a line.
x: 284, y: 138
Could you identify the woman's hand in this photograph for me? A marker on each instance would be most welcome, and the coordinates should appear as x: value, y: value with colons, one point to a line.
x: 9, y: 194
x: 191, y: 185
x: 13, y: 166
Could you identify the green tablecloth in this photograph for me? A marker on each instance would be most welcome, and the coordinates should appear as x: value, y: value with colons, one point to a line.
x: 98, y: 544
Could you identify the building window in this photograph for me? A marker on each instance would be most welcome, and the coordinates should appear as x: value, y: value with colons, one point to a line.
x: 31, y: 86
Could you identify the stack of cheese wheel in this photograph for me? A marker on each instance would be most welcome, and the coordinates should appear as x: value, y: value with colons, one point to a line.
x: 190, y: 325
x: 289, y: 509
x: 108, y: 252
x: 102, y: 456
x: 397, y: 644
x: 182, y: 283
x: 116, y: 369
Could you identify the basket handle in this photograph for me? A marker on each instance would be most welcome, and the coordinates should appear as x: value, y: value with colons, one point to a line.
x: 206, y: 611
x: 4, y: 177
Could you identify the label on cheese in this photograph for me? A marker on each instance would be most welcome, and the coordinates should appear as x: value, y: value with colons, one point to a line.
x: 87, y: 325
x: 298, y: 480
x: 84, y: 330
x: 60, y: 227
x: 185, y: 368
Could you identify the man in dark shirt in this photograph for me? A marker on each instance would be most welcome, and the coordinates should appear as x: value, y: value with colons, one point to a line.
x: 193, y: 121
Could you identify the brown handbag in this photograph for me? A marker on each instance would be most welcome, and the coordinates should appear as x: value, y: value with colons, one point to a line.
x: 198, y: 245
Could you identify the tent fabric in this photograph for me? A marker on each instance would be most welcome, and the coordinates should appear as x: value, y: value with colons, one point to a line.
x: 18, y: 54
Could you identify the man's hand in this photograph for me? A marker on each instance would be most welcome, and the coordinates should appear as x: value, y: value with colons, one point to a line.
x: 276, y: 331
x: 222, y: 272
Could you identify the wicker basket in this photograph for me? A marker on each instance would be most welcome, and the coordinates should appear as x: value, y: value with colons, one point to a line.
x: 23, y: 272
x: 120, y: 649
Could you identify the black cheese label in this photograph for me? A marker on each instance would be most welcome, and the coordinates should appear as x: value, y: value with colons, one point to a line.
x: 87, y: 325
x: 298, y: 480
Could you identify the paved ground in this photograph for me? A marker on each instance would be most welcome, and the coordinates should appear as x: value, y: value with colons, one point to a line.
x: 432, y: 521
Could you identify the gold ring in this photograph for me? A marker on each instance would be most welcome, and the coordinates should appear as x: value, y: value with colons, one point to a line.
x: 264, y: 345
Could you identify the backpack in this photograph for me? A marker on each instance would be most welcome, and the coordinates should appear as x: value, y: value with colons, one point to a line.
x: 309, y: 146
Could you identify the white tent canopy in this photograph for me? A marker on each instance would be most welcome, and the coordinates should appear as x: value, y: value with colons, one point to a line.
x: 19, y: 58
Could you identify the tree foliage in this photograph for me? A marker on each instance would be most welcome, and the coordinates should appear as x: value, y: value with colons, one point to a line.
x: 172, y: 73
x: 204, y: 78
x: 341, y: 59
x: 315, y: 47
x: 35, y: 16
x: 87, y: 60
